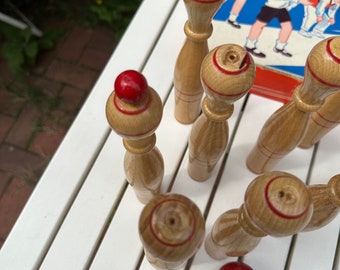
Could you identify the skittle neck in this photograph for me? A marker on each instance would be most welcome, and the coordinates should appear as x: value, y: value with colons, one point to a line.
x: 217, y: 111
x: 247, y: 224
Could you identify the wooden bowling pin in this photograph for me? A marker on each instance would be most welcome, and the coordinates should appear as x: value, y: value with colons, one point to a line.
x: 285, y: 129
x: 171, y: 228
x: 322, y: 121
x: 275, y: 203
x: 326, y: 203
x: 134, y: 111
x: 198, y: 28
x: 227, y: 74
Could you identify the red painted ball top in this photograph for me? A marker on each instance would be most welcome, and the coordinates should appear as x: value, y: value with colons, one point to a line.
x: 236, y: 266
x: 131, y: 86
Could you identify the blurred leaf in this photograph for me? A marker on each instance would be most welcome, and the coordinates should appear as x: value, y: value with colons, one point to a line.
x: 14, y: 57
x: 31, y: 52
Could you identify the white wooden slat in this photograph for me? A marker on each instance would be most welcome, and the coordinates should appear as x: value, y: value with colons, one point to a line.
x: 81, y: 242
x: 60, y: 182
x: 320, y: 245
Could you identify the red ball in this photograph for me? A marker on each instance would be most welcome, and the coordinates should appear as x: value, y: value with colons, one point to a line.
x: 236, y: 266
x: 131, y: 86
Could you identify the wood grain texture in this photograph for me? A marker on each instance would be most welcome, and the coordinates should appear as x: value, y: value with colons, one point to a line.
x: 326, y: 203
x: 171, y: 229
x: 276, y: 204
x: 136, y: 122
x: 227, y: 74
x: 285, y: 129
x: 188, y: 88
x: 322, y: 121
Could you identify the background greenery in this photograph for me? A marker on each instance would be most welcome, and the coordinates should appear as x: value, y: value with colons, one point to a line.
x: 21, y: 48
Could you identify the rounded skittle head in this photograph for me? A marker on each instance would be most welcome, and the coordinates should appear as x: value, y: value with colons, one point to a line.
x: 133, y: 110
x: 333, y: 189
x: 278, y: 203
x: 171, y: 227
x: 227, y: 73
x: 323, y: 68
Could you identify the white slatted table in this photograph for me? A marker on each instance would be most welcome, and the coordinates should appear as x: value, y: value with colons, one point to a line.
x: 83, y: 215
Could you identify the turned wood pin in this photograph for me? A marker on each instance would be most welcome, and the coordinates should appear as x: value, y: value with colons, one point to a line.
x: 198, y: 28
x: 171, y: 228
x: 322, y: 121
x: 134, y: 111
x: 227, y: 73
x: 326, y: 203
x: 285, y: 129
x: 276, y: 204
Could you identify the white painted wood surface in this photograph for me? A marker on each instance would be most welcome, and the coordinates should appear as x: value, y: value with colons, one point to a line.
x: 83, y: 214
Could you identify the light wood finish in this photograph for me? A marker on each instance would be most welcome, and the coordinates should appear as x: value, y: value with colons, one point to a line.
x: 171, y: 229
x: 322, y: 121
x: 85, y: 216
x: 285, y: 129
x: 227, y: 74
x: 326, y: 202
x: 135, y: 119
x: 198, y: 28
x: 276, y: 204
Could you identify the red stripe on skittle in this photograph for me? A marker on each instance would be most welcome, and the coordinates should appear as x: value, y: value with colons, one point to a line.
x: 132, y: 112
x: 334, y: 58
x: 330, y: 53
x: 138, y: 134
x: 246, y: 60
x: 325, y: 119
x: 156, y: 235
x: 223, y: 95
x: 274, y: 209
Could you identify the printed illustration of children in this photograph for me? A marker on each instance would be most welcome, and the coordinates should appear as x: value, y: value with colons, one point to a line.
x: 325, y: 18
x: 273, y: 9
x: 309, y: 18
x: 235, y: 11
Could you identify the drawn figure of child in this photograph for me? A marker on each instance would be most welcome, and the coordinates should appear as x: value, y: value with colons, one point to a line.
x: 235, y: 11
x: 325, y: 18
x: 273, y: 9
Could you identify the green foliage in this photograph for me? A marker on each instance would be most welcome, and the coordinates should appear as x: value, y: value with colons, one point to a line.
x: 116, y: 14
x: 20, y: 47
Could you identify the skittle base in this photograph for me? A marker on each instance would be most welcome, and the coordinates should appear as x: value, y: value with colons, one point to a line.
x: 258, y: 162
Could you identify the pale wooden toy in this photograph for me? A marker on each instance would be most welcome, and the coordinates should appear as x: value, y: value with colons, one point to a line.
x: 134, y: 111
x: 276, y: 204
x: 172, y: 229
x: 326, y: 203
x: 285, y: 129
x: 227, y: 74
x: 198, y: 28
x: 322, y: 121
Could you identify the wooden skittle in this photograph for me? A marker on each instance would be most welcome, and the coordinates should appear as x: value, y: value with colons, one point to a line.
x: 171, y: 228
x: 326, y: 203
x: 322, y: 121
x: 227, y: 74
x: 188, y: 88
x: 276, y: 204
x: 134, y: 111
x: 285, y: 129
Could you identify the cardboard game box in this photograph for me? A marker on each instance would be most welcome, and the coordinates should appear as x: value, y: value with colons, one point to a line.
x: 310, y: 21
